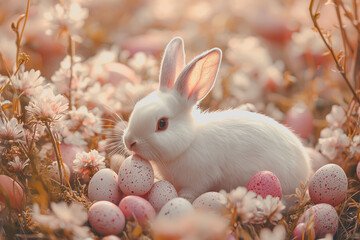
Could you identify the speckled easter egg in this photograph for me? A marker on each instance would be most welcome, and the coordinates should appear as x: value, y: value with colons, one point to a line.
x: 265, y: 183
x: 106, y: 218
x: 328, y: 185
x: 176, y: 207
x: 136, y: 176
x: 299, y: 230
x: 325, y: 221
x: 210, y: 200
x: 11, y: 192
x: 358, y: 170
x: 161, y: 192
x: 54, y: 171
x: 138, y: 207
x: 104, y: 186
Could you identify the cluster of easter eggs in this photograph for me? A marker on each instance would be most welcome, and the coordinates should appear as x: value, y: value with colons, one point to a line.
x: 327, y: 189
x: 132, y: 194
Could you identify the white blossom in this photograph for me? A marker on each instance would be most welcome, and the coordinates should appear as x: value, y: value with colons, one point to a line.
x: 355, y: 145
x: 243, y: 201
x: 278, y: 233
x: 11, y: 131
x: 47, y: 107
x: 336, y: 118
x: 268, y: 209
x: 17, y: 164
x: 69, y: 218
x: 29, y: 82
x: 331, y: 142
x: 89, y: 163
x: 66, y: 17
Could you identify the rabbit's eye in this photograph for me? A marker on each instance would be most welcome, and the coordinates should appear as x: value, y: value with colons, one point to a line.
x: 162, y: 124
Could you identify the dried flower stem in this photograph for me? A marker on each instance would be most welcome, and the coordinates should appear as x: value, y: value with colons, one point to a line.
x: 71, y: 53
x: 314, y: 17
x: 57, y: 154
x: 19, y: 37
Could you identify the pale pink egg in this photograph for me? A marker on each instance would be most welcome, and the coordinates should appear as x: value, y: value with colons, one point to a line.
x: 210, y: 200
x: 298, y: 232
x: 176, y: 207
x: 329, y: 185
x: 326, y: 219
x: 116, y: 72
x: 358, y: 170
x: 68, y: 153
x: 317, y: 159
x: 11, y: 192
x: 138, y: 207
x: 104, y: 186
x: 161, y: 192
x: 136, y: 176
x: 300, y: 119
x: 106, y: 218
x: 265, y: 183
x: 54, y: 171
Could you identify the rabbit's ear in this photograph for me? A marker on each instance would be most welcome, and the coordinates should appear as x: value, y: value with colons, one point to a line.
x: 198, y: 77
x: 172, y: 63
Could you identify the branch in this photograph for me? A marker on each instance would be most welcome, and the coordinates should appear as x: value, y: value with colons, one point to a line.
x: 338, y: 66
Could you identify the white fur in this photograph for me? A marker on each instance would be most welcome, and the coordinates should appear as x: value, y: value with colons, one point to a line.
x: 200, y: 151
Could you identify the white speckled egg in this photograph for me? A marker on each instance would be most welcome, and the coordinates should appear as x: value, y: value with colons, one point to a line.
x: 176, y: 207
x: 54, y: 171
x: 136, y: 176
x: 106, y: 218
x: 326, y: 219
x: 328, y: 185
x: 138, y: 207
x: 358, y: 170
x: 161, y: 192
x: 104, y: 186
x: 265, y: 183
x: 210, y: 200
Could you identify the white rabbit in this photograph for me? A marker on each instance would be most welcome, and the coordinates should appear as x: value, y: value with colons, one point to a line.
x: 202, y: 151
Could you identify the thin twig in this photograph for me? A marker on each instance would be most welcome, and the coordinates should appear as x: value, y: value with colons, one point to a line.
x: 343, y: 32
x: 19, y: 37
x: 71, y: 53
x: 57, y: 154
x: 338, y: 66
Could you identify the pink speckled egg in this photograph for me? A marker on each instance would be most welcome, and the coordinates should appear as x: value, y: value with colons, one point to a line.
x: 265, y: 183
x: 326, y: 219
x: 328, y: 185
x: 176, y: 207
x: 106, y: 218
x: 300, y: 119
x: 11, y: 192
x: 138, y: 207
x: 210, y: 200
x: 299, y: 230
x: 161, y: 192
x: 104, y: 186
x: 358, y: 170
x: 54, y: 172
x: 136, y: 176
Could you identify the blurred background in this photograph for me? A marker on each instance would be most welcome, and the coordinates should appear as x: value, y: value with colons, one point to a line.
x: 272, y: 57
